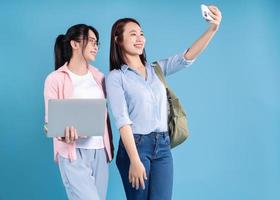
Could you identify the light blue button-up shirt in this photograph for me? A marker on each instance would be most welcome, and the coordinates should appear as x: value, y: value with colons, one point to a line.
x: 138, y: 102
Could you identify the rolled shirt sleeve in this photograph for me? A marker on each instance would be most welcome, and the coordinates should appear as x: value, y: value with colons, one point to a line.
x: 116, y: 98
x: 174, y: 63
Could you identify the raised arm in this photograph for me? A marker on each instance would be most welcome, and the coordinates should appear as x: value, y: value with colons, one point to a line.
x: 204, y: 40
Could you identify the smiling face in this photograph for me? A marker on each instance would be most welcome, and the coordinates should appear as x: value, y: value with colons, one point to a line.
x: 133, y: 42
x: 91, y: 48
x: 127, y: 42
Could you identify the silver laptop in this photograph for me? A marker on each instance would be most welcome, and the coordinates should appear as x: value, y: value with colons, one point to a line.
x: 86, y: 115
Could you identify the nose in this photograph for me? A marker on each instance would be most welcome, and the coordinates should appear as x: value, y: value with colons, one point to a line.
x: 140, y: 38
x: 95, y: 46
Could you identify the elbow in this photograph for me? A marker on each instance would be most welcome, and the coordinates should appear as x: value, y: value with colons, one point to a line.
x: 189, y: 56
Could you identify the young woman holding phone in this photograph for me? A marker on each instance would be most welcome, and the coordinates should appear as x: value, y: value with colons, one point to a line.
x: 139, y: 104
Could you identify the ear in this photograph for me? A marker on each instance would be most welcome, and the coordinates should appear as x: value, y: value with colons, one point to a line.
x: 116, y: 39
x: 74, y: 44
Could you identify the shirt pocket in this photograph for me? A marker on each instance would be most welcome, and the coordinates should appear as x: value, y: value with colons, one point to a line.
x: 165, y: 140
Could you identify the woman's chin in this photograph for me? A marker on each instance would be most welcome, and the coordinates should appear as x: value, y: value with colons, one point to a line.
x: 92, y: 58
x: 139, y: 52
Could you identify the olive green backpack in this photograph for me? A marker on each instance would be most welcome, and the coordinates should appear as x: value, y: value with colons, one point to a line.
x: 177, y: 121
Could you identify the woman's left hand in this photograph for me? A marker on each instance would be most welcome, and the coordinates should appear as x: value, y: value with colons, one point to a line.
x: 217, y: 16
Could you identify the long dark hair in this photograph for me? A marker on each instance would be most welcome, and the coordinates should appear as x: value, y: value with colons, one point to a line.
x: 116, y: 55
x: 62, y: 48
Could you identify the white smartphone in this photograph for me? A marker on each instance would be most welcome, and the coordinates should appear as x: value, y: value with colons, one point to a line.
x: 206, y: 12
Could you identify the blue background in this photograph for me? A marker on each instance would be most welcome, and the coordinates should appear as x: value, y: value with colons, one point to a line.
x: 231, y: 94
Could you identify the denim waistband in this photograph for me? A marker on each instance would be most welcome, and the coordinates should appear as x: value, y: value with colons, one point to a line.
x: 164, y: 133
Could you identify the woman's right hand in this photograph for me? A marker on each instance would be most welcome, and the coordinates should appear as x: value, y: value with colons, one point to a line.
x: 70, y: 135
x: 137, y: 174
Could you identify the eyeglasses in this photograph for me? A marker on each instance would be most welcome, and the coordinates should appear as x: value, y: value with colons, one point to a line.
x: 92, y: 41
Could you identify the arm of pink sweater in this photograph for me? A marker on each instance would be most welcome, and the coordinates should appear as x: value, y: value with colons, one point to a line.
x: 50, y: 92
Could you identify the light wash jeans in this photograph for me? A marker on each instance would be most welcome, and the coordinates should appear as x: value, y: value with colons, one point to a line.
x: 87, y: 177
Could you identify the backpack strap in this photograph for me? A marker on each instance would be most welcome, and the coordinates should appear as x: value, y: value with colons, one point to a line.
x: 159, y: 73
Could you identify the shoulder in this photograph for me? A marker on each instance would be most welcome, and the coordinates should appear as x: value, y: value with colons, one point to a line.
x: 54, y: 76
x: 114, y: 76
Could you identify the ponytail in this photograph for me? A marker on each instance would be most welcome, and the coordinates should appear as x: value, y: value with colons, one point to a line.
x: 62, y: 48
x: 62, y: 51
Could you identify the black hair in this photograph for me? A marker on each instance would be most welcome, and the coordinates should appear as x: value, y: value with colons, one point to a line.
x: 62, y: 48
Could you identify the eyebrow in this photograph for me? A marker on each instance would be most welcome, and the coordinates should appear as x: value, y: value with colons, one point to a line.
x: 135, y: 31
x: 91, y: 38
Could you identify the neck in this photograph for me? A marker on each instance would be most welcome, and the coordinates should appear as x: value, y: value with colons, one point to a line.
x: 78, y: 65
x: 134, y: 61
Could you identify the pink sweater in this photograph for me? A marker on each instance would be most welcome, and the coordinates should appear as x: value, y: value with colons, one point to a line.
x: 58, y: 85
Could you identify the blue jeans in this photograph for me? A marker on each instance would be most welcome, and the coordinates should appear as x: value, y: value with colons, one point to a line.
x: 154, y: 152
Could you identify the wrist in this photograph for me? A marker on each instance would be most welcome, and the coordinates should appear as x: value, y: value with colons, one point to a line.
x: 135, y: 159
x: 213, y: 28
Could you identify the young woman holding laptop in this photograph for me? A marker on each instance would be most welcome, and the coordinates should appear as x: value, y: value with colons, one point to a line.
x: 83, y: 162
